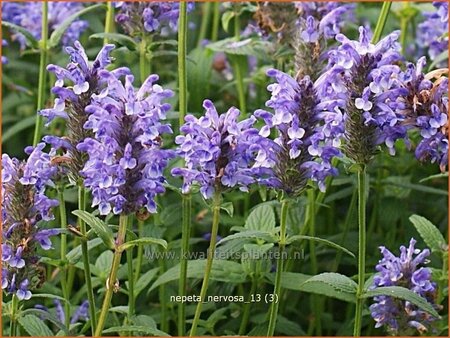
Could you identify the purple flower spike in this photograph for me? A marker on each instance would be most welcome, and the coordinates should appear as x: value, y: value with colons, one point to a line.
x: 219, y: 151
x: 29, y: 16
x: 81, y: 313
x: 397, y: 316
x: 126, y: 162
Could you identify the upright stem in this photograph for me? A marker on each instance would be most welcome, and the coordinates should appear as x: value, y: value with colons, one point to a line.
x: 42, y: 73
x: 209, y: 261
x: 280, y: 264
x: 247, y: 307
x: 131, y: 299
x: 140, y: 251
x: 240, y: 87
x: 185, y: 236
x: 112, y: 277
x: 144, y: 59
x: 361, y: 250
x: 382, y: 18
x: 204, y: 23
x: 216, y: 21
x: 13, y: 323
x: 182, y: 76
x: 85, y: 255
x: 63, y: 221
x: 109, y: 21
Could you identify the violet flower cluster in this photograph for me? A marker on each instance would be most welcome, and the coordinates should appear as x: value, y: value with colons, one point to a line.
x: 125, y: 161
x: 24, y: 205
x: 219, y: 151
x: 28, y: 15
x: 300, y: 151
x: 357, y: 90
x: 423, y: 103
x: 74, y: 89
x: 398, y: 316
x: 80, y: 314
x: 138, y: 18
x: 432, y: 32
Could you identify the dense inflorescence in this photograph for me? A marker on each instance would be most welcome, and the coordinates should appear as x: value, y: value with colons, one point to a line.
x: 357, y: 90
x: 432, y: 35
x: 125, y: 166
x: 138, y: 18
x: 398, y: 316
x: 29, y: 16
x: 219, y: 151
x: 423, y: 104
x: 74, y: 89
x: 24, y: 205
x: 300, y: 152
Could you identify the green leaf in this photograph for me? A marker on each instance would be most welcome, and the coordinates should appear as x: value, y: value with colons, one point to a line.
x: 46, y: 295
x: 121, y: 39
x: 332, y: 285
x: 57, y: 34
x: 226, y: 18
x: 429, y: 233
x: 319, y: 240
x: 35, y: 326
x: 75, y: 254
x: 228, y: 208
x: 438, y: 59
x: 255, y: 234
x: 100, y: 227
x: 262, y: 218
x: 244, y: 47
x: 290, y: 280
x: 223, y: 271
x: 145, y: 240
x: 123, y: 309
x: 432, y: 177
x: 144, y: 280
x: 30, y: 39
x: 18, y: 127
x: 199, y: 70
x: 103, y: 264
x: 134, y: 328
x: 46, y: 315
x: 405, y: 294
x: 418, y: 187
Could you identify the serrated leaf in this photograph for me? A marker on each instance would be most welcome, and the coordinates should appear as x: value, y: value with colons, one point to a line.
x: 253, y: 234
x: 405, y: 294
x: 29, y: 38
x: 223, y: 271
x: 135, y: 328
x: 75, y: 254
x: 46, y: 315
x: 262, y: 218
x: 100, y: 227
x: 35, y: 326
x: 58, y: 33
x: 121, y: 39
x: 429, y: 233
x: 290, y: 280
x: 319, y: 240
x: 123, y: 309
x: 332, y: 285
x: 145, y: 240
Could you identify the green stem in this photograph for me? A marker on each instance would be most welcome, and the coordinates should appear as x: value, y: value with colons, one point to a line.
x: 112, y: 277
x: 109, y: 21
x: 204, y: 23
x: 13, y: 323
x: 140, y: 251
x: 361, y: 251
x: 144, y: 59
x: 182, y: 76
x: 209, y: 260
x: 316, y: 323
x: 42, y: 73
x: 185, y: 236
x: 163, y: 300
x: 240, y: 87
x: 131, y: 299
x: 277, y: 288
x: 216, y: 21
x: 382, y: 18
x: 85, y: 255
x: 64, y: 271
x: 247, y: 307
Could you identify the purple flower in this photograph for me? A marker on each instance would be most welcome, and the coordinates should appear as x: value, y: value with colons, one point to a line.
x: 148, y: 17
x: 399, y: 316
x: 81, y: 313
x: 300, y: 151
x: 358, y: 91
x: 431, y: 33
x: 219, y: 151
x: 24, y: 204
x: 126, y: 162
x: 4, y: 58
x: 29, y: 16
